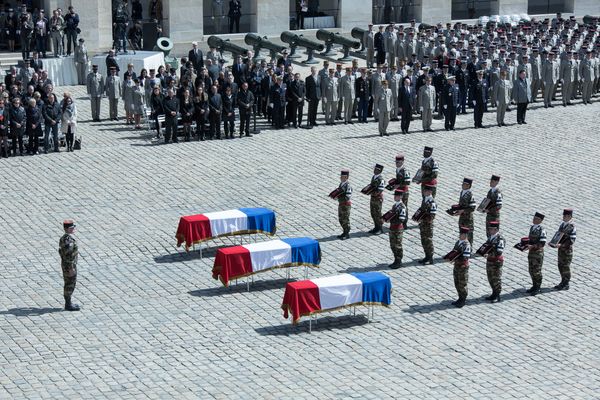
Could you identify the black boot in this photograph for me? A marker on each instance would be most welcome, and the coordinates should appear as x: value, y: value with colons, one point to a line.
x: 535, y: 289
x: 346, y: 234
x: 423, y: 260
x: 70, y: 306
x: 491, y: 296
x: 496, y: 299
x: 566, y: 285
x: 460, y: 302
x: 427, y: 261
x: 396, y: 264
x: 341, y: 236
x: 373, y: 230
x: 378, y: 230
x: 561, y: 285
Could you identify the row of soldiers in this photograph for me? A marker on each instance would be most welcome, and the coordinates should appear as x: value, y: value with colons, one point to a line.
x: 492, y: 249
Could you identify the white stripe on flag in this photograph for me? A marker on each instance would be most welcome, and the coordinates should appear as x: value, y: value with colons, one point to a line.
x: 339, y: 290
x: 269, y: 254
x: 222, y: 222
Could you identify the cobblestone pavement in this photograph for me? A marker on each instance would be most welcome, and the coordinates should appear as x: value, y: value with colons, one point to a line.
x: 155, y: 324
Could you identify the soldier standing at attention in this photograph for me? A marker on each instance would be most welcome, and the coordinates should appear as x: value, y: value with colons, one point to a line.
x: 377, y: 199
x: 113, y: 91
x: 467, y: 206
x: 429, y: 168
x: 537, y: 241
x: 429, y: 208
x: 495, y: 196
x: 565, y: 249
x: 402, y: 179
x: 95, y: 88
x: 344, y: 204
x: 81, y: 60
x: 495, y: 261
x: 384, y: 107
x: 461, y: 267
x: 397, y: 225
x: 67, y: 248
x: 427, y: 102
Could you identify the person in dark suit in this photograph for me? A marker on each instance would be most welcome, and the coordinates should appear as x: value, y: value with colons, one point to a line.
x: 112, y: 62
x: 277, y: 98
x: 361, y: 88
x: 294, y: 96
x: 196, y: 56
x: 406, y: 99
x: 235, y: 12
x: 379, y: 46
x: 239, y: 71
x: 313, y: 95
x: 171, y: 109
x: 265, y: 88
x: 450, y: 102
x: 245, y: 102
x: 36, y: 62
x: 215, y: 108
x: 284, y: 61
x: 479, y: 94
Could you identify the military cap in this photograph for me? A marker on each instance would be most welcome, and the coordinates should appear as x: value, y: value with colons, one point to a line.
x: 345, y: 172
x: 451, y: 78
x: 480, y: 72
x: 68, y: 223
x: 445, y: 66
x: 379, y: 167
x: 468, y: 180
x: 425, y: 68
x: 568, y: 211
x: 495, y: 178
x: 399, y: 157
x: 535, y: 50
x: 494, y: 224
x: 96, y: 66
x: 428, y: 150
x: 539, y: 215
x: 399, y: 192
x: 464, y: 229
x: 81, y: 40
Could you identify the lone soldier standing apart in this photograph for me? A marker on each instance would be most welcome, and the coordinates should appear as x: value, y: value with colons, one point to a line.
x: 95, y: 88
x: 377, y: 199
x: 565, y: 249
x: 429, y: 168
x: 429, y: 208
x: 461, y: 267
x: 467, y: 205
x: 495, y: 261
x: 67, y: 248
x: 537, y: 241
x: 397, y: 225
x: 495, y: 196
x: 345, y: 204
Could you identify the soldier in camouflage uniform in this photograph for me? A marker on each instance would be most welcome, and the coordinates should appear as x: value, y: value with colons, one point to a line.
x: 467, y: 206
x: 67, y: 248
x: 495, y: 261
x: 429, y: 168
x: 429, y: 208
x: 537, y: 241
x: 461, y: 267
x: 397, y: 226
x: 495, y: 196
x: 377, y: 199
x: 344, y: 204
x: 565, y: 249
x: 402, y: 179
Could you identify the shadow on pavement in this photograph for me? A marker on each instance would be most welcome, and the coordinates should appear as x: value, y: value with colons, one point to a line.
x: 30, y: 311
x: 354, y: 235
x: 320, y: 324
x: 257, y: 286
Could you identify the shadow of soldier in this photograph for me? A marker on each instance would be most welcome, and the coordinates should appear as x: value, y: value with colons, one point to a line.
x: 30, y: 311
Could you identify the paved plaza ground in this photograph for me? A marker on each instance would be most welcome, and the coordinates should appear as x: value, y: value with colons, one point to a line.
x: 155, y: 324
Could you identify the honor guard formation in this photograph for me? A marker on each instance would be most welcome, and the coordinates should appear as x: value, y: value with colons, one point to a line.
x: 492, y: 249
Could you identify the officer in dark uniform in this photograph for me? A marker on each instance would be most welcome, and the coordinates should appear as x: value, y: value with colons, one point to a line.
x: 480, y: 95
x: 67, y: 248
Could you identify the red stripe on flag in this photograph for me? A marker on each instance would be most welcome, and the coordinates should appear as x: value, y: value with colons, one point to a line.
x: 232, y: 262
x: 193, y: 229
x: 301, y: 298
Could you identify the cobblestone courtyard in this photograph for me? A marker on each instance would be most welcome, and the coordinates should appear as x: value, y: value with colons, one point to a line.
x: 155, y: 324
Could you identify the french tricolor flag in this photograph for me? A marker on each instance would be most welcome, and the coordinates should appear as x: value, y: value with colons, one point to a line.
x: 315, y: 295
x: 239, y: 261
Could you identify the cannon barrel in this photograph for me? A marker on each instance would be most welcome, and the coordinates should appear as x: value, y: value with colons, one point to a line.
x: 589, y: 19
x: 298, y: 40
x: 327, y: 36
x: 358, y: 33
x: 226, y: 45
x: 258, y: 43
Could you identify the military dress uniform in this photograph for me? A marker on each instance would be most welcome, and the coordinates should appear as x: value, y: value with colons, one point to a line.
x: 461, y: 269
x: 495, y: 196
x: 565, y: 251
x: 430, y: 170
x: 466, y: 202
x: 345, y: 206
x: 397, y: 225
x: 377, y: 199
x: 429, y: 208
x: 95, y: 88
x: 535, y: 258
x: 67, y: 248
x: 494, y: 262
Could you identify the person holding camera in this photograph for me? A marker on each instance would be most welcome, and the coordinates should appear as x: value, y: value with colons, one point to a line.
x: 71, y: 28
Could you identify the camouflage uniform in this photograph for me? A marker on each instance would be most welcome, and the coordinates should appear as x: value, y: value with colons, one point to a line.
x: 429, y: 207
x: 467, y: 203
x: 494, y: 263
x: 397, y: 225
x: 565, y: 251
x: 537, y: 239
x: 493, y: 213
x: 344, y: 206
x: 461, y: 268
x: 377, y: 200
x: 67, y: 248
x: 430, y: 172
x: 402, y: 182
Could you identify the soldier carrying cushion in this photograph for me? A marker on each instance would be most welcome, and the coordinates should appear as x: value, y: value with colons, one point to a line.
x: 344, y: 204
x: 67, y: 248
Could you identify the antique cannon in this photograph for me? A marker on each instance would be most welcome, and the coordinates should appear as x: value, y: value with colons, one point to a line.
x: 298, y: 40
x: 226, y: 45
x: 359, y: 33
x: 331, y: 38
x: 589, y: 19
x: 258, y: 43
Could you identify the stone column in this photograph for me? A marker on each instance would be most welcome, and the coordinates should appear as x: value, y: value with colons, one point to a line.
x: 272, y: 17
x: 183, y: 20
x: 354, y: 13
x: 434, y: 11
x: 508, y: 7
x: 95, y: 22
